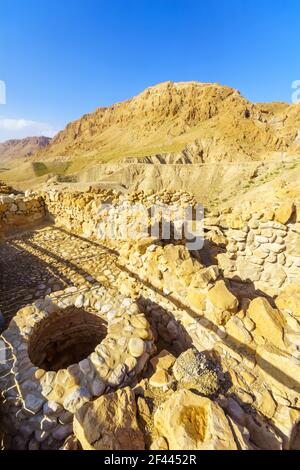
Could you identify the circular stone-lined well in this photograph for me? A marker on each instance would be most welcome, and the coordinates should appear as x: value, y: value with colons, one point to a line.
x: 65, y: 339
x: 110, y: 339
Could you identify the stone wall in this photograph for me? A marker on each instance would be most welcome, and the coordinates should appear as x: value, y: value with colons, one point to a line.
x: 260, y: 340
x: 259, y: 247
x: 92, y: 212
x: 18, y: 211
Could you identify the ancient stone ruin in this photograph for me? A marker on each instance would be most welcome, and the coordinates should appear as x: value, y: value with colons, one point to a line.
x: 119, y: 343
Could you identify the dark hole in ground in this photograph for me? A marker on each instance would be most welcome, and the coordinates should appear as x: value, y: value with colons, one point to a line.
x: 65, y: 338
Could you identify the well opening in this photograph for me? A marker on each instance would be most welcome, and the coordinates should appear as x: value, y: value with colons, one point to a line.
x: 65, y: 338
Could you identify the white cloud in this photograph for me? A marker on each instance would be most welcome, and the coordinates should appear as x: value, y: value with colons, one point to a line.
x: 20, y: 128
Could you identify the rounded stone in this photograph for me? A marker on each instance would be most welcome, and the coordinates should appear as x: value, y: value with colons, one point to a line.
x: 98, y: 388
x: 130, y: 362
x: 142, y: 333
x: 117, y: 375
x: 136, y: 347
x: 39, y: 374
x: 160, y: 378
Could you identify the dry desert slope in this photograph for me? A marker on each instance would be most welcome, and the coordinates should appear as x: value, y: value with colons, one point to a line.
x: 198, y: 137
x: 210, y: 122
x: 20, y: 148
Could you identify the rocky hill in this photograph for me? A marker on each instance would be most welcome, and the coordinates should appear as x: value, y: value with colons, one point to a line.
x: 202, y: 138
x: 20, y: 148
x: 189, y: 122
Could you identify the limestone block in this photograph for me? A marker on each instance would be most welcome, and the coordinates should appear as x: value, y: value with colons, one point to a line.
x: 269, y: 321
x: 109, y: 423
x: 222, y: 298
x: 190, y: 422
x: 289, y: 299
x: 284, y: 212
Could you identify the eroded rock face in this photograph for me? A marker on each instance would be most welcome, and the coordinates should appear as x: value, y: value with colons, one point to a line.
x: 109, y: 423
x: 188, y: 421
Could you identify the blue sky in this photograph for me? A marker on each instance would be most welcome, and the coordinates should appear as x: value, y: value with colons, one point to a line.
x: 60, y: 59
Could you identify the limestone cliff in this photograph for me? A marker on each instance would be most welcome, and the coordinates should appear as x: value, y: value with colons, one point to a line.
x: 194, y: 122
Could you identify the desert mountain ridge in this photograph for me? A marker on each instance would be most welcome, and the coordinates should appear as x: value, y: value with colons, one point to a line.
x: 198, y: 137
x: 186, y: 122
x: 20, y: 148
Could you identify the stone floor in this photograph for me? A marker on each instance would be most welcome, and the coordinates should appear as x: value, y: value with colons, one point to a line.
x: 35, y: 263
x: 50, y: 259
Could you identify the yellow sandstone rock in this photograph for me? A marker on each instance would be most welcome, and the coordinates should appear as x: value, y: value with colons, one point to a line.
x: 266, y: 404
x: 191, y: 422
x: 289, y: 299
x: 164, y: 360
x: 222, y: 298
x: 269, y: 321
x: 109, y: 423
x: 236, y: 329
x: 284, y: 212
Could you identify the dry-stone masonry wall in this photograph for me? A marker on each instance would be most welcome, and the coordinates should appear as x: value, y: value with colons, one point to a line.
x: 216, y: 319
x: 259, y: 247
x: 17, y: 211
x: 109, y: 215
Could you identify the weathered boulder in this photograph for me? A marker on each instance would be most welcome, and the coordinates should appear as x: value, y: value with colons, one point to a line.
x: 236, y: 328
x: 222, y: 298
x: 289, y: 299
x: 109, y: 423
x: 269, y: 321
x: 193, y: 370
x: 190, y: 422
x: 280, y: 368
x: 284, y: 212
